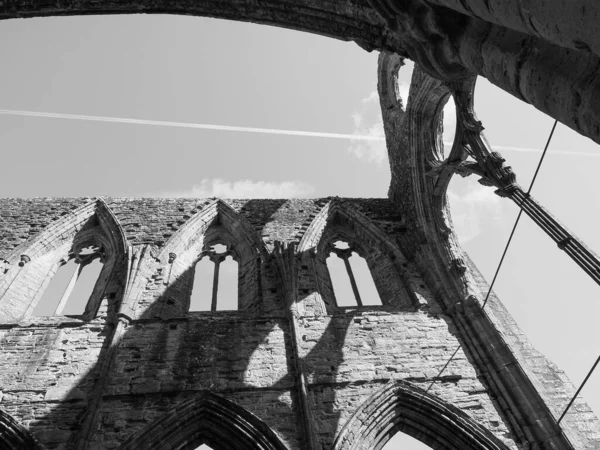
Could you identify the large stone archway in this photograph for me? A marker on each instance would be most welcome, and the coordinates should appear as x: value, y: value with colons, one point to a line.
x: 205, y: 419
x: 448, y: 41
x: 399, y: 407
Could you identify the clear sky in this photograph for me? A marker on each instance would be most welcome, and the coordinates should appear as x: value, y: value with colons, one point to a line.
x: 195, y: 70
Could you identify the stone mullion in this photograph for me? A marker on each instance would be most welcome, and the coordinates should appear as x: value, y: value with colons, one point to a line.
x: 217, y: 261
x: 352, y: 279
x: 65, y: 297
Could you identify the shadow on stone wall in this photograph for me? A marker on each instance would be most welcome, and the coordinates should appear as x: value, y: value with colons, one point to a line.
x: 99, y: 382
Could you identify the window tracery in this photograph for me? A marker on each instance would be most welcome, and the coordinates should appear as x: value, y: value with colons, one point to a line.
x: 72, y: 284
x: 355, y: 287
x: 348, y: 253
x: 215, y: 286
x: 74, y: 267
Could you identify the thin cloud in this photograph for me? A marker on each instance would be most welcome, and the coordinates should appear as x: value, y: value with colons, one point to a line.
x: 368, y: 122
x: 201, y: 126
x: 220, y: 188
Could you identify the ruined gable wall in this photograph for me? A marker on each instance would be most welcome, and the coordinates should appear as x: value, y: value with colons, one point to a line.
x: 248, y: 357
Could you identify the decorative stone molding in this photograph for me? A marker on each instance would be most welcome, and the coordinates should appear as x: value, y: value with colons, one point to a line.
x: 400, y: 407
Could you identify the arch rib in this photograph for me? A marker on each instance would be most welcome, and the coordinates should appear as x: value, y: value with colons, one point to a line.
x: 401, y: 407
x: 13, y: 436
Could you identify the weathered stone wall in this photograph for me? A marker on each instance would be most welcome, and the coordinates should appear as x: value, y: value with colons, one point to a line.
x: 47, y: 375
x: 77, y: 382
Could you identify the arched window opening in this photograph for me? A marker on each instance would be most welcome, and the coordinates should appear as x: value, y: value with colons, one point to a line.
x: 228, y: 285
x: 215, y: 286
x: 364, y: 281
x: 401, y: 441
x: 351, y: 278
x: 448, y: 125
x: 342, y: 288
x: 201, y: 298
x: 83, y: 289
x: 57, y: 288
x: 72, y: 285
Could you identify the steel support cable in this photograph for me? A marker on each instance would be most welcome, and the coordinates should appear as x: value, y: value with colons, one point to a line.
x: 520, y: 204
x: 587, y: 377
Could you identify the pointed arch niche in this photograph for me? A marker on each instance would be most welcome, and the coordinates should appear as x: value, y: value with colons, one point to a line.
x: 206, y: 419
x: 213, y: 252
x: 68, y: 269
x: 353, y: 262
x: 400, y: 407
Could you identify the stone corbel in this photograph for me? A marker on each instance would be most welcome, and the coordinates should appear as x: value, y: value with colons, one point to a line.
x: 4, y: 265
x: 170, y: 262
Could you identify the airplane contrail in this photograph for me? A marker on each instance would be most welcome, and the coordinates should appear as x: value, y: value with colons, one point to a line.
x: 203, y: 126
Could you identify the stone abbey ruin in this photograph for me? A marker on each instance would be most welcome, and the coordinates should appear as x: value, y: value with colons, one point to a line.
x: 290, y: 366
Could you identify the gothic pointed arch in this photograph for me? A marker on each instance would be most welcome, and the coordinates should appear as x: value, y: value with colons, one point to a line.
x: 217, y: 213
x: 33, y: 264
x: 111, y: 227
x: 341, y: 221
x: 400, y: 407
x: 14, y: 436
x: 206, y: 419
x: 216, y: 223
